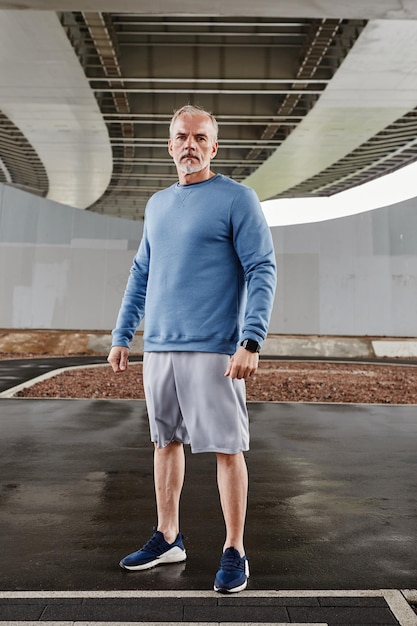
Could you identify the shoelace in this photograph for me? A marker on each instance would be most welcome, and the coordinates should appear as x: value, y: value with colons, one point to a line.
x: 153, y: 545
x: 231, y: 562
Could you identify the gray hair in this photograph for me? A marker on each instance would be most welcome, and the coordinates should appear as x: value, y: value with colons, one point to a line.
x: 193, y: 109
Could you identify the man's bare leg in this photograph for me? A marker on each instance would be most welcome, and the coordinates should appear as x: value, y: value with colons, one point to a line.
x: 169, y: 471
x: 232, y: 480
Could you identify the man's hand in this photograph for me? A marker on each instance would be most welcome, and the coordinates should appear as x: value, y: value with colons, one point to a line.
x: 118, y: 358
x: 242, y: 364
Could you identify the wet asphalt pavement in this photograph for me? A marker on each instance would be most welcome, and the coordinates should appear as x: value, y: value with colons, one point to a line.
x: 332, y: 506
x: 332, y: 501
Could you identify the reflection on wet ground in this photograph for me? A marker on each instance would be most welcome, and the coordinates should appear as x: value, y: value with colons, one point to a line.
x: 331, y: 506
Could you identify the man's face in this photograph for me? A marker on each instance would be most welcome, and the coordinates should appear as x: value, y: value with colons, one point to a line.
x: 192, y: 144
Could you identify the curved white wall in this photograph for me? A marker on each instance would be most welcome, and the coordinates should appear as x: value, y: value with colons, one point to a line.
x: 350, y: 276
x: 62, y: 268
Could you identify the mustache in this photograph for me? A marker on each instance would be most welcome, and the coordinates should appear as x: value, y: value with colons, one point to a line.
x: 189, y: 154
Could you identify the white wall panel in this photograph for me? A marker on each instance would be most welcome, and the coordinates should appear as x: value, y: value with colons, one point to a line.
x: 61, y: 267
x: 64, y: 268
x: 300, y: 293
x: 337, y: 295
x: 365, y: 278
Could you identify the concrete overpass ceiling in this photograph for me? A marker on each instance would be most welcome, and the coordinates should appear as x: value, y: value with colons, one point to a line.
x: 363, y: 126
x: 310, y: 101
x: 259, y: 76
x: 54, y: 125
x: 349, y: 9
x: 20, y: 165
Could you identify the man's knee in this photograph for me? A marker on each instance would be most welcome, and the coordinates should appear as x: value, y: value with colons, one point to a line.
x: 229, y: 460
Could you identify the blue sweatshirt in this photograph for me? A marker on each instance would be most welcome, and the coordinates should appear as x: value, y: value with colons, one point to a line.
x: 204, y: 274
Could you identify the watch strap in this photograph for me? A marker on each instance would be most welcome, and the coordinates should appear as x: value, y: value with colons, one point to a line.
x: 251, y: 345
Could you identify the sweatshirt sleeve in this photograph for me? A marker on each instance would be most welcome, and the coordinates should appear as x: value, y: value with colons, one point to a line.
x: 132, y: 308
x: 253, y: 244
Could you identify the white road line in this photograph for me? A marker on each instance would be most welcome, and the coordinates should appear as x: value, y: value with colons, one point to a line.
x: 9, y: 393
x: 168, y: 593
x: 159, y: 623
x: 399, y: 606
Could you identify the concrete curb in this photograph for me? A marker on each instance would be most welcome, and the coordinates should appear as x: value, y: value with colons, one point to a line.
x: 71, y: 343
x: 10, y: 393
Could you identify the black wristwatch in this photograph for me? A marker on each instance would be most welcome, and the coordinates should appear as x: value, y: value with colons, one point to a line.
x: 251, y: 345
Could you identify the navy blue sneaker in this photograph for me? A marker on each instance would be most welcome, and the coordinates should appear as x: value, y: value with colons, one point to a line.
x: 156, y: 551
x: 233, y: 573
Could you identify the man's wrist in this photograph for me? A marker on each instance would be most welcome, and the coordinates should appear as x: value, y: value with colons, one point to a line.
x: 251, y: 345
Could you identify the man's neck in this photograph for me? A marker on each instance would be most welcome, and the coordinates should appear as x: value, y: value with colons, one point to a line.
x: 194, y: 177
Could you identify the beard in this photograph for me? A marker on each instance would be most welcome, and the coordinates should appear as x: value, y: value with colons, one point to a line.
x: 190, y: 165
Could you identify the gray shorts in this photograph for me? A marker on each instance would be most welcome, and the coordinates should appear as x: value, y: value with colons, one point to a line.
x: 191, y: 401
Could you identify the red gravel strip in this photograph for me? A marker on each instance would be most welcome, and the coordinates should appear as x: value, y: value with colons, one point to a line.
x: 283, y: 381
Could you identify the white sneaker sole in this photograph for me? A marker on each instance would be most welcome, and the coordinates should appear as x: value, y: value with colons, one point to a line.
x: 174, y: 555
x: 236, y: 589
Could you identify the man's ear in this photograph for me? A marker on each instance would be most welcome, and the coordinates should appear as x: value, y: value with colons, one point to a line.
x: 214, y: 149
x: 170, y: 146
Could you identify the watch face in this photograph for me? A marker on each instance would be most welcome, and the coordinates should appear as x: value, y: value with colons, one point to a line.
x: 251, y: 345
